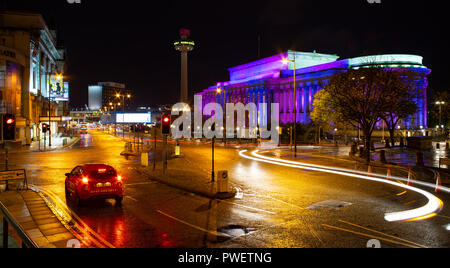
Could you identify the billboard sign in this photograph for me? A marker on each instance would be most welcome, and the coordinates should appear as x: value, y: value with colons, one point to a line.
x: 134, y: 118
x: 59, y: 90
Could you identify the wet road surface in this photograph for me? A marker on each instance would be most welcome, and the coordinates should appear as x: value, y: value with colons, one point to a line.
x: 277, y: 207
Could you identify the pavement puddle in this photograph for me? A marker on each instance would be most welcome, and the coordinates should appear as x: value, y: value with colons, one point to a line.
x: 232, y: 231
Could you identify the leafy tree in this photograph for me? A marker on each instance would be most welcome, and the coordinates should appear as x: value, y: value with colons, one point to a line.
x: 401, y: 102
x: 357, y: 97
x: 324, y: 116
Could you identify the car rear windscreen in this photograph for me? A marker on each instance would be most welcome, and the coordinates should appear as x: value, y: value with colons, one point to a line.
x: 103, y: 173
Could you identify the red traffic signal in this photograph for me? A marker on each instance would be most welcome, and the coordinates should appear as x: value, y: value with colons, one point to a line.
x: 9, y: 127
x: 45, y: 128
x: 166, y: 124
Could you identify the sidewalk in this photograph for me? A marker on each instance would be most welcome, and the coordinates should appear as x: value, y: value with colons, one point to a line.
x: 39, y: 222
x: 58, y: 143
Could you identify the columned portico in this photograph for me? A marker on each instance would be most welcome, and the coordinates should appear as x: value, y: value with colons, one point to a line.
x: 269, y: 81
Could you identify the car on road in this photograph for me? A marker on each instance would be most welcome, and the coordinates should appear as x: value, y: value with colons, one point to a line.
x: 84, y: 129
x: 94, y: 181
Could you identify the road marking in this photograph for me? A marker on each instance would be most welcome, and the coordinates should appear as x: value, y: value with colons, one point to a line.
x: 252, y: 208
x: 131, y: 198
x: 387, y: 235
x: 369, y: 236
x: 239, y: 193
x: 215, y: 233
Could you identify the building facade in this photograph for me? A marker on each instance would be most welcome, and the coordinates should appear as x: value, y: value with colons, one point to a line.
x: 103, y: 94
x: 271, y: 80
x: 31, y: 72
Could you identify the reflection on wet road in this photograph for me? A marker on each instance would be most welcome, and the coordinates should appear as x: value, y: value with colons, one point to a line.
x: 271, y: 209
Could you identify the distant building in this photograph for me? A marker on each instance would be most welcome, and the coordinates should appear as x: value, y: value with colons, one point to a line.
x: 84, y: 116
x: 103, y: 94
x: 31, y: 73
x: 270, y: 80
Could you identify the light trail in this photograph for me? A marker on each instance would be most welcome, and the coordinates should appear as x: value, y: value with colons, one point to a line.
x: 421, y: 183
x: 429, y: 210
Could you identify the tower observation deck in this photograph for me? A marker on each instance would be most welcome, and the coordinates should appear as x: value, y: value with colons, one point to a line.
x: 184, y: 45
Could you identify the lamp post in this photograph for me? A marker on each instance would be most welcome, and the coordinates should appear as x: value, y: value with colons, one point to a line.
x: 114, y: 106
x: 440, y: 104
x: 219, y: 92
x: 123, y: 110
x: 286, y: 61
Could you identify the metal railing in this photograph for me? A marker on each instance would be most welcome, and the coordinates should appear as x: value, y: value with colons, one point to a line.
x: 9, y: 220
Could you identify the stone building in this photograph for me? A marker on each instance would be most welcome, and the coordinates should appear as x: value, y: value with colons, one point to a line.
x: 32, y: 66
x: 271, y: 80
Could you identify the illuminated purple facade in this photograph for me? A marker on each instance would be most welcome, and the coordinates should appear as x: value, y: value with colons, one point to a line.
x: 270, y: 80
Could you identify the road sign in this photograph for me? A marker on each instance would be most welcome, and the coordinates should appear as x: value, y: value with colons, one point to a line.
x: 13, y: 175
x: 46, y: 119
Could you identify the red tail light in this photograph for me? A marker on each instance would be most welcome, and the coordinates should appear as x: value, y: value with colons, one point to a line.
x: 85, y: 180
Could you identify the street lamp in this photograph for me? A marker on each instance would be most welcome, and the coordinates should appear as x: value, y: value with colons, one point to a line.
x: 123, y: 109
x: 286, y: 61
x: 219, y: 92
x: 440, y: 104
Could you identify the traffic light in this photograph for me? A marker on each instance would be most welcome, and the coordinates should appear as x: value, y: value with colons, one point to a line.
x: 166, y: 124
x: 45, y: 128
x: 9, y: 127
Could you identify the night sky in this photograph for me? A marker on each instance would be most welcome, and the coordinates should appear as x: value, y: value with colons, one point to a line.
x: 132, y: 41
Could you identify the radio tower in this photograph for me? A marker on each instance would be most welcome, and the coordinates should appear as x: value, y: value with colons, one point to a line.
x: 184, y: 45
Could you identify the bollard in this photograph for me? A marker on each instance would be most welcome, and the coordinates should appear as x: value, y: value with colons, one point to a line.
x: 383, y: 156
x: 144, y: 159
x: 353, y: 150
x: 361, y: 151
x: 419, y: 161
x: 410, y: 183
x: 223, y: 182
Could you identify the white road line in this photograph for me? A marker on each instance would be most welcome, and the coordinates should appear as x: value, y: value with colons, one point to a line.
x: 215, y: 233
x: 131, y: 198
